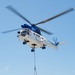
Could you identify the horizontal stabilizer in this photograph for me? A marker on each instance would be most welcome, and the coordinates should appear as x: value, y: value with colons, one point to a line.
x: 61, y: 43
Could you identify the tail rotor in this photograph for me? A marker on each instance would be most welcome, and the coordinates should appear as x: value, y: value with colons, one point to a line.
x: 55, y: 41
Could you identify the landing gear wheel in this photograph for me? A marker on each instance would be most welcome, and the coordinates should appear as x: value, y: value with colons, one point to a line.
x: 24, y: 43
x: 44, y: 47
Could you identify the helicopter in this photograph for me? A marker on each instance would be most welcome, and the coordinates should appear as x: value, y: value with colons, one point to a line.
x: 31, y: 34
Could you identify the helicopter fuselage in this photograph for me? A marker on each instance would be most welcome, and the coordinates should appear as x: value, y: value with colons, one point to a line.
x: 33, y: 39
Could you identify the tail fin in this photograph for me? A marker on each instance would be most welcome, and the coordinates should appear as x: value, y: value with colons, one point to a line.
x: 55, y: 44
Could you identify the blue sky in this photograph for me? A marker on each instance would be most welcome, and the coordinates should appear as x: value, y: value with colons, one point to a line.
x: 17, y: 59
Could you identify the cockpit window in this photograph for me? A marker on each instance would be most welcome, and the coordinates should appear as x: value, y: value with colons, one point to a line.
x: 25, y: 31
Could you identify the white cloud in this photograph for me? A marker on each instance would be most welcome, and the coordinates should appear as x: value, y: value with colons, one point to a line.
x: 4, y: 69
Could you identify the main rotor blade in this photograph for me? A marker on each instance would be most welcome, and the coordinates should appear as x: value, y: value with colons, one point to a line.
x: 17, y: 13
x: 10, y: 30
x: 65, y: 12
x: 45, y: 31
